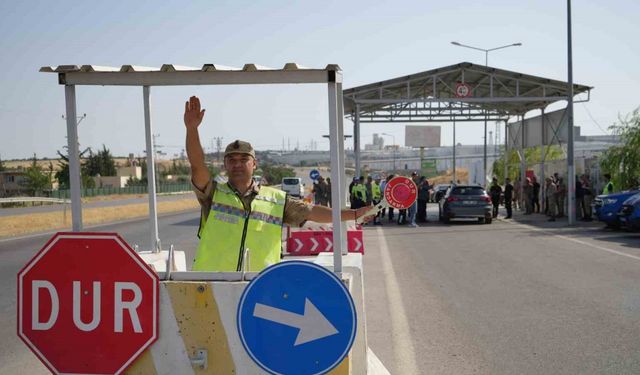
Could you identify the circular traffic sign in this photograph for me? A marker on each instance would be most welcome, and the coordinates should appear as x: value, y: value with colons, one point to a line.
x: 314, y: 174
x: 401, y: 192
x: 87, y: 304
x: 298, y: 318
x: 462, y: 90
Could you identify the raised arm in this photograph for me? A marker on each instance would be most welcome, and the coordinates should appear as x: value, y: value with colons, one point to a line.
x: 192, y: 119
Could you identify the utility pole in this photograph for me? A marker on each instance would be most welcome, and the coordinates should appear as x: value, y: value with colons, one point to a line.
x: 571, y: 173
x: 218, y: 146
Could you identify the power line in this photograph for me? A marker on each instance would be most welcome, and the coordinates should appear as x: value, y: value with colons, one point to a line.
x: 593, y: 119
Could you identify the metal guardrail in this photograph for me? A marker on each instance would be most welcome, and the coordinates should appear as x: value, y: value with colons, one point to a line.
x: 34, y: 199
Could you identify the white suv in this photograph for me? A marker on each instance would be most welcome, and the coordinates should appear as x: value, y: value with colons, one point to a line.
x: 293, y: 186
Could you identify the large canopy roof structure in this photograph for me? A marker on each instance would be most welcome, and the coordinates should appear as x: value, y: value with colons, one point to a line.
x: 432, y: 96
x: 458, y: 93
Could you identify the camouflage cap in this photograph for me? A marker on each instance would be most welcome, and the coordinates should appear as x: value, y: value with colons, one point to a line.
x: 239, y: 147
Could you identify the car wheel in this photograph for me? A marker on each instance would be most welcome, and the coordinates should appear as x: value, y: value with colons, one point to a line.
x: 481, y: 220
x: 613, y: 225
x: 487, y: 220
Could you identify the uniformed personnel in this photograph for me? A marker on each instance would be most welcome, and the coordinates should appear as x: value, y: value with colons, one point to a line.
x: 240, y: 214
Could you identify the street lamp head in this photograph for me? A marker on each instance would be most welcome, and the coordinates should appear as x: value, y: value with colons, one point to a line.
x: 455, y: 43
x: 516, y: 44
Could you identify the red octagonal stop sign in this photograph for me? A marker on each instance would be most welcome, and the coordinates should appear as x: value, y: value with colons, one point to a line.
x: 87, y: 304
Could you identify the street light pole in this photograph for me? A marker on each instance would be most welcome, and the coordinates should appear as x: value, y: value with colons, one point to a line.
x: 394, y: 148
x: 571, y: 183
x: 486, y: 51
x: 486, y: 63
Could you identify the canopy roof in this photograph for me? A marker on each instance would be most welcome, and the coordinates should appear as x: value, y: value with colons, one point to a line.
x: 431, y: 95
x: 177, y: 75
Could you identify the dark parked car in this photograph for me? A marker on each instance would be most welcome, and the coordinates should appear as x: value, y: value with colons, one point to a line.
x: 439, y: 192
x: 465, y: 202
x: 629, y: 214
x: 606, y: 207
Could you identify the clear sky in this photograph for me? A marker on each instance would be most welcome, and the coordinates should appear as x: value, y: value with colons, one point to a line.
x: 371, y: 41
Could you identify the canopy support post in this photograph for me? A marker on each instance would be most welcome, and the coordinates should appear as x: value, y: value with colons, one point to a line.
x: 336, y: 145
x: 151, y: 172
x: 74, y: 158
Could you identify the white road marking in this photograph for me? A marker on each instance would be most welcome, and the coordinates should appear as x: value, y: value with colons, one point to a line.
x: 531, y: 227
x: 402, y: 345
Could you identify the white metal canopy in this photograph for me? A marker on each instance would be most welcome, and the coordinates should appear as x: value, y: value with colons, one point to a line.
x: 431, y: 96
x: 208, y: 74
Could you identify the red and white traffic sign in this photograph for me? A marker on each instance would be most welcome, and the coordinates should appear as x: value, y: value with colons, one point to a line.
x: 87, y: 304
x: 462, y: 90
x: 313, y: 242
x: 401, y: 192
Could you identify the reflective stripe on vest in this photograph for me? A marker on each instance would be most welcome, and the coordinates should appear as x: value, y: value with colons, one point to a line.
x: 229, y: 229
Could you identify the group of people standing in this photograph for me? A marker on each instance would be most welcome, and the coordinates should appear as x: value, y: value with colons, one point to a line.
x: 366, y: 192
x: 526, y: 196
x: 322, y: 191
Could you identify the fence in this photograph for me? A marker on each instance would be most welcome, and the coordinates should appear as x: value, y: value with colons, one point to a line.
x: 162, y: 188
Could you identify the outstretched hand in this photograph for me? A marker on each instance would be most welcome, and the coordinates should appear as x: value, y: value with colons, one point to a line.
x: 362, y: 211
x: 192, y: 114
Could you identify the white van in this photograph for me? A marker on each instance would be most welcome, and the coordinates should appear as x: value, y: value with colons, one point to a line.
x: 293, y: 186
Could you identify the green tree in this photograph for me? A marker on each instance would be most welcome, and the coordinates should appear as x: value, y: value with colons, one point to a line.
x: 275, y: 173
x: 622, y: 161
x: 35, y: 180
x: 101, y: 163
x: 62, y: 175
x: 107, y: 164
x: 178, y: 169
x: 532, y: 156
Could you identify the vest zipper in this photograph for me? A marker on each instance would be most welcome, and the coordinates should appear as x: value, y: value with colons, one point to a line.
x: 244, y: 236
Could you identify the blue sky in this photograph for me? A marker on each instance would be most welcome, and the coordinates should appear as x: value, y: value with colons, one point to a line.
x: 371, y: 42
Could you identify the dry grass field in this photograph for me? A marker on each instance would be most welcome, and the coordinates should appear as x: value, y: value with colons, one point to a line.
x: 61, y: 220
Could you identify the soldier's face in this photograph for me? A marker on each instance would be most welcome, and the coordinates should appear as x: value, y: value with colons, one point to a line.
x: 240, y: 167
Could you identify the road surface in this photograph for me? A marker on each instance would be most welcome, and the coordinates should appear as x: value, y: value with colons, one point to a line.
x: 464, y: 298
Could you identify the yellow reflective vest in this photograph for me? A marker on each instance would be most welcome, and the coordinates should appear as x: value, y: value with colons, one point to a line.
x: 360, y: 191
x: 231, y: 228
x: 375, y: 191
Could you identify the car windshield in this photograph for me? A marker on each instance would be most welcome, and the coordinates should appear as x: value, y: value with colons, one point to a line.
x: 290, y: 181
x: 468, y: 190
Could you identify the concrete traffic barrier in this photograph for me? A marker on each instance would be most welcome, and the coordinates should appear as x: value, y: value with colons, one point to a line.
x: 198, y: 326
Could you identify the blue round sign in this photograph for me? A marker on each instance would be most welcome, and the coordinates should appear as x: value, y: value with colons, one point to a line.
x: 298, y: 318
x: 314, y: 174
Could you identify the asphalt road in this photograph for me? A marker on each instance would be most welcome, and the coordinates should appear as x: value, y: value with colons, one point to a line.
x: 452, y: 299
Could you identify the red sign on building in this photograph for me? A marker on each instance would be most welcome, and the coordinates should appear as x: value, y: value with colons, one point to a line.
x: 463, y: 90
x: 87, y: 304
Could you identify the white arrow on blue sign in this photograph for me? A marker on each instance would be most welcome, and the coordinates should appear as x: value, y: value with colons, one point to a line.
x: 296, y: 318
x: 314, y: 174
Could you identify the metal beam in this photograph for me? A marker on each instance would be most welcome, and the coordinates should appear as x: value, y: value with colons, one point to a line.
x: 157, y: 78
x: 510, y: 99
